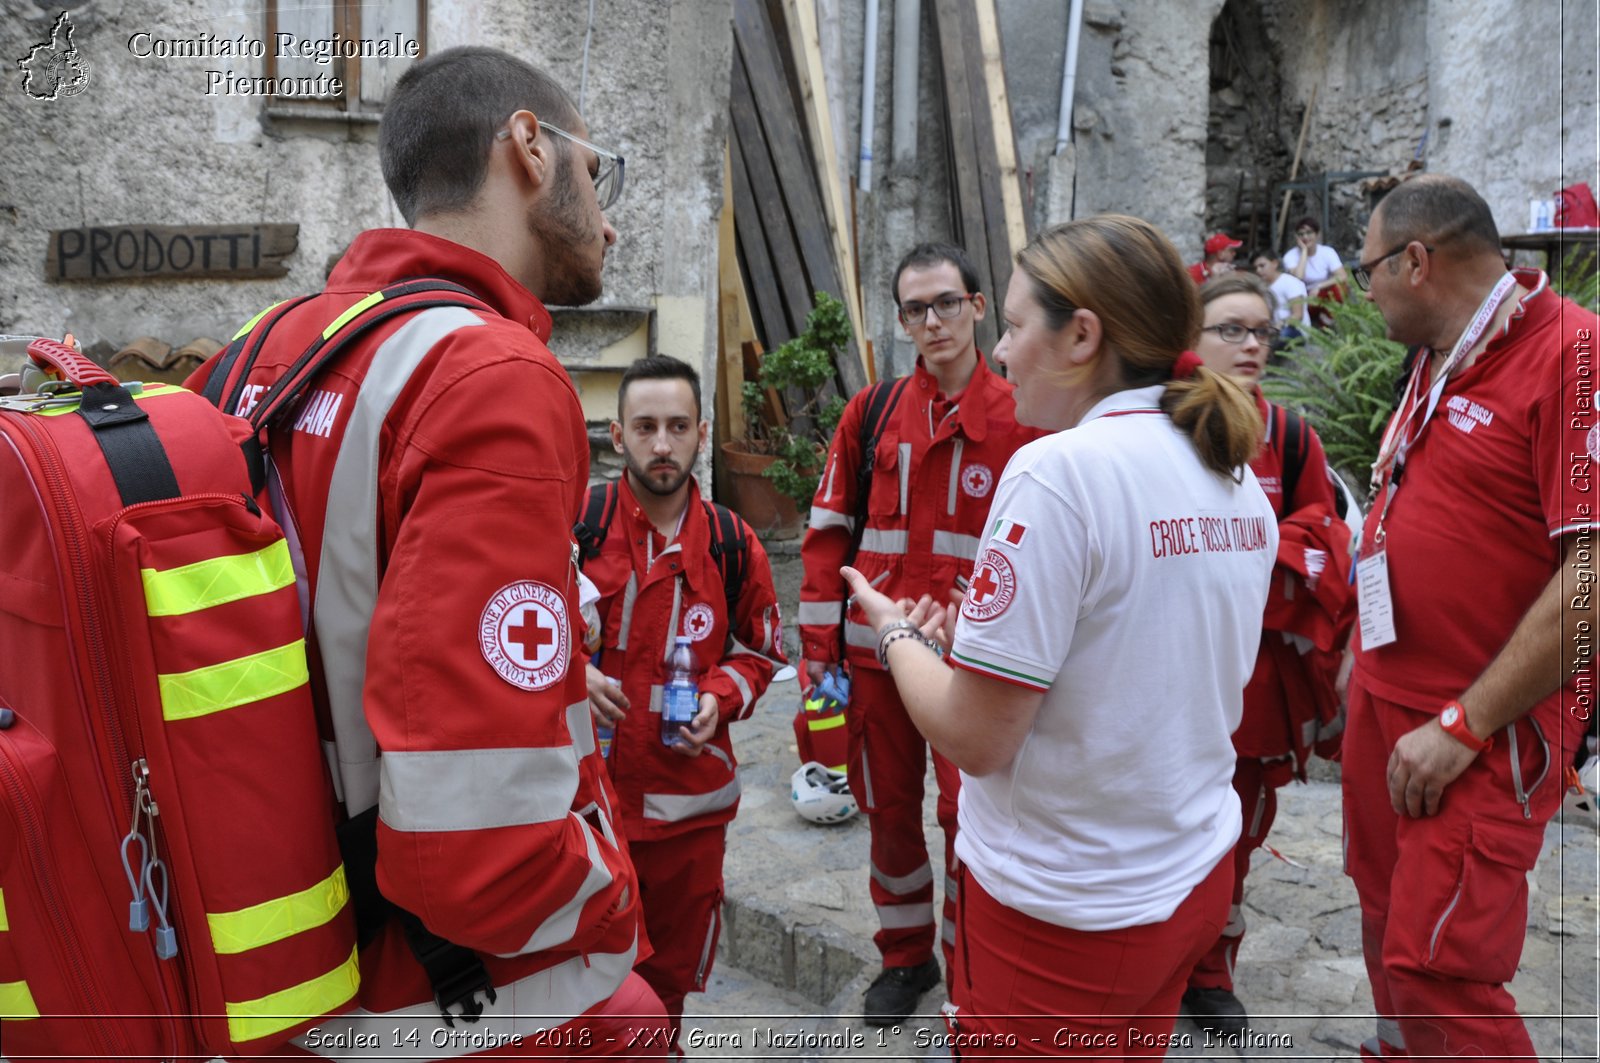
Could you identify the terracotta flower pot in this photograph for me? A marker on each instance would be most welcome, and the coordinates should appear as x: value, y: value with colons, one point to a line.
x: 769, y: 511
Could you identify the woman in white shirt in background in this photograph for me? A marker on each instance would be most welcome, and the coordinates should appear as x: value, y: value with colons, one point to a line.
x: 1101, y: 654
x: 1314, y: 264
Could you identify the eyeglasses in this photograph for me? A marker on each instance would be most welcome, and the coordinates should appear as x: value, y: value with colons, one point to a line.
x: 946, y: 307
x: 1362, y: 274
x: 1305, y: 232
x: 1233, y: 332
x: 609, y: 166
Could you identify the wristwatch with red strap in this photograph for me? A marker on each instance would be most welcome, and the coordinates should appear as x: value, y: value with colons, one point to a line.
x: 1453, y: 718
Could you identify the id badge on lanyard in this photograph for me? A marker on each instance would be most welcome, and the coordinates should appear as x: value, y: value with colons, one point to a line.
x: 1376, y: 606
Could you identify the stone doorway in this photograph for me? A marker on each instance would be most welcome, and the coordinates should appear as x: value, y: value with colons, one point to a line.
x: 1245, y: 149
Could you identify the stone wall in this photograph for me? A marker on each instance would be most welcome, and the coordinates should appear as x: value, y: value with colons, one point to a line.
x: 143, y: 143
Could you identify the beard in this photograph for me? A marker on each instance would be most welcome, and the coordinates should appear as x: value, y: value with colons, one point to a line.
x: 645, y: 476
x: 563, y: 233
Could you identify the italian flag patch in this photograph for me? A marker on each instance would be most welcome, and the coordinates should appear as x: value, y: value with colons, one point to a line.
x: 1009, y: 532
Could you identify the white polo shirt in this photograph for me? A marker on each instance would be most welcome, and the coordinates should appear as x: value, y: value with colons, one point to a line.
x: 1127, y: 582
x: 1324, y: 263
x: 1284, y: 290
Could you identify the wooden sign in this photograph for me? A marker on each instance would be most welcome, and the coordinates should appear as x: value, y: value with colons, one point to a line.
x: 123, y: 252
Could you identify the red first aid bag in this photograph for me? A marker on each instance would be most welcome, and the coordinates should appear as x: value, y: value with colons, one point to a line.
x: 170, y: 881
x: 1575, y: 208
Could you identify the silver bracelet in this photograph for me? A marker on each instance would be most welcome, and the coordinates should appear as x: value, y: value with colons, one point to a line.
x: 893, y: 632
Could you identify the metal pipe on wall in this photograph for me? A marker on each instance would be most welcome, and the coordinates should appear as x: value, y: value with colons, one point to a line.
x: 869, y: 96
x: 907, y: 42
x: 1069, y: 76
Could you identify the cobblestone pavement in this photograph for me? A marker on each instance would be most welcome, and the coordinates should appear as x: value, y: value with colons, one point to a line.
x: 796, y: 952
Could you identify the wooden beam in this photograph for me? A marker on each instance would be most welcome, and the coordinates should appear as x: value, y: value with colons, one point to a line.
x: 997, y: 243
x: 795, y: 175
x: 787, y: 267
x: 751, y: 243
x: 1005, y: 137
x: 730, y: 294
x: 807, y: 48
x: 966, y: 207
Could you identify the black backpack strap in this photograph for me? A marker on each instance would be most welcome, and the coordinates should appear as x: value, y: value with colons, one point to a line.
x: 730, y: 551
x: 457, y: 974
x: 1292, y: 438
x: 881, y: 402
x: 222, y: 367
x: 138, y: 462
x: 592, y: 528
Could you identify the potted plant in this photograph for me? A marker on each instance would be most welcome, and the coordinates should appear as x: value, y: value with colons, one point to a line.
x: 774, y: 469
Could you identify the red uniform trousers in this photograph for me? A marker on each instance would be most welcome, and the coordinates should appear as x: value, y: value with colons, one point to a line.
x: 1256, y: 782
x: 680, y: 889
x: 887, y: 768
x: 1052, y: 991
x: 1444, y: 898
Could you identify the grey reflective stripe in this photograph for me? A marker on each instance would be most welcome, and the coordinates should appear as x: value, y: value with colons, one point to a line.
x: 833, y: 467
x: 1433, y: 941
x: 673, y: 621
x: 541, y: 1001
x: 1261, y: 811
x: 630, y: 594
x: 716, y: 751
x: 860, y: 635
x: 899, y: 884
x: 955, y: 544
x: 672, y: 808
x: 905, y: 478
x: 879, y: 541
x: 705, y: 947
x: 947, y: 933
x: 905, y: 916
x: 821, y: 614
x: 1389, y: 1030
x: 952, y: 888
x: 1308, y: 731
x: 347, y: 577
x: 1236, y: 924
x: 562, y: 924
x: 330, y: 753
x: 955, y: 476
x: 580, y: 724
x: 866, y: 778
x: 827, y: 518
x: 476, y: 789
x: 746, y: 695
x: 736, y: 648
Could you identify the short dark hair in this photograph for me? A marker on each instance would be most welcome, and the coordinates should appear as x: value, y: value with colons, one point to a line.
x: 1267, y: 253
x: 660, y: 367
x: 1308, y: 222
x: 924, y: 256
x: 440, y: 122
x: 1436, y: 208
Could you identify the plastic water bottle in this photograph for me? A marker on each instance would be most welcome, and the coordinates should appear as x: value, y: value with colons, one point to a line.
x: 604, y: 732
x: 680, y: 700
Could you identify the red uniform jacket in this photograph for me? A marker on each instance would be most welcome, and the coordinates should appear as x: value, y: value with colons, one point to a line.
x: 444, y: 630
x: 933, y: 479
x: 650, y: 593
x: 1277, y: 707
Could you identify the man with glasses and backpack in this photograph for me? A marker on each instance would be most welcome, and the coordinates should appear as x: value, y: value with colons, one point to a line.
x: 904, y: 498
x: 437, y: 444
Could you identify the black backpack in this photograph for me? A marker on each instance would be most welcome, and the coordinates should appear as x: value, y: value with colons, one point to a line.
x: 728, y: 531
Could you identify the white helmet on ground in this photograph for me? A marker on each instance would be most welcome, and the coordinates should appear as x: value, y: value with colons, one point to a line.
x: 821, y: 794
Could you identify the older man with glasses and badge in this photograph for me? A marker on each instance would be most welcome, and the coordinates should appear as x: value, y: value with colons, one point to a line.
x: 904, y: 498
x: 1471, y: 691
x: 448, y: 443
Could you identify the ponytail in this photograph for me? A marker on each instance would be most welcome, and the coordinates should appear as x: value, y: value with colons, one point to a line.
x: 1218, y: 417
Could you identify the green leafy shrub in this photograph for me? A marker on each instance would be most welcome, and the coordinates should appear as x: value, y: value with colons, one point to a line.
x: 1580, y: 281
x: 1342, y: 381
x: 803, y: 366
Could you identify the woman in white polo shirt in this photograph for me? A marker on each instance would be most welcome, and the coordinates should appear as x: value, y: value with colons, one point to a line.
x: 1101, y: 652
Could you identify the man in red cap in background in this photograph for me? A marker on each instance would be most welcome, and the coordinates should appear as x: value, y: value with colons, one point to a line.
x: 1220, y: 249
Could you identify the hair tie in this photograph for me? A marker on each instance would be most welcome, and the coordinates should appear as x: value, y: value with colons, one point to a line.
x: 1184, y: 367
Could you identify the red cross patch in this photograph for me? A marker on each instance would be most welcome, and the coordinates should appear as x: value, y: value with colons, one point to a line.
x: 524, y: 634
x: 976, y: 480
x: 993, y: 587
x: 698, y: 621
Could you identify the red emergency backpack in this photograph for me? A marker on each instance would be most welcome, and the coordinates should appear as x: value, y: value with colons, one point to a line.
x: 170, y: 881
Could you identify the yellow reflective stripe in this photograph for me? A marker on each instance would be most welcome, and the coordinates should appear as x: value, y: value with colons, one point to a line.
x: 262, y: 924
x: 248, y: 325
x: 16, y: 1002
x: 343, y: 319
x: 264, y: 1016
x: 3, y: 924
x: 151, y: 391
x: 185, y: 695
x: 217, y: 580
x: 824, y: 723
